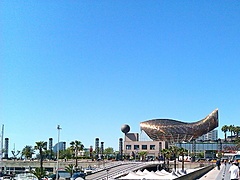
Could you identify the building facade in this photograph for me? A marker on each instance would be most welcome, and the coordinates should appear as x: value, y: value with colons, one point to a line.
x: 132, y: 145
x: 209, y: 149
x: 210, y: 136
x: 59, y: 146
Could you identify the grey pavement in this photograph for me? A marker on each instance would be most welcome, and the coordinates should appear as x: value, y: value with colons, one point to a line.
x: 216, y: 174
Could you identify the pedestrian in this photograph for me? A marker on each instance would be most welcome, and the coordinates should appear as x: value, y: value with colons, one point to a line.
x: 218, y: 163
x: 234, y: 170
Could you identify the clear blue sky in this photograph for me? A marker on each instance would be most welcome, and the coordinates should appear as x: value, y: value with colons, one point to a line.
x: 92, y: 66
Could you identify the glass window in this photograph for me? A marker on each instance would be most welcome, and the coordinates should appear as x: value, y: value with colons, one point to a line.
x: 136, y: 147
x: 152, y: 147
x: 144, y: 147
x: 128, y: 147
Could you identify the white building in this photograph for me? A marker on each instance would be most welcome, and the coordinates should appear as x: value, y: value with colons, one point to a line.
x: 210, y: 136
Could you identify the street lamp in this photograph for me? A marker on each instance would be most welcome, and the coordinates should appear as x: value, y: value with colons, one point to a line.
x: 107, y: 173
x: 15, y: 153
x: 136, y: 153
x: 58, y: 128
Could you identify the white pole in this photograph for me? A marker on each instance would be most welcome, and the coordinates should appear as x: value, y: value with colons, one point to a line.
x: 58, y: 128
x: 2, y: 138
x: 1, y: 148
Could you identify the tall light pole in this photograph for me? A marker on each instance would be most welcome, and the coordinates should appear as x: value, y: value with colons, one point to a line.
x: 107, y: 173
x: 15, y: 153
x: 1, y: 148
x: 58, y: 128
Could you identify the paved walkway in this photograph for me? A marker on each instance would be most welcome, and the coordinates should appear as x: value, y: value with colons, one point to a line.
x: 216, y: 174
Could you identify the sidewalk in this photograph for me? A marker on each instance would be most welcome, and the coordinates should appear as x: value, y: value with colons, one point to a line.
x: 216, y: 174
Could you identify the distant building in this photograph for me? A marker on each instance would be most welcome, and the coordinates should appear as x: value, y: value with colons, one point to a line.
x: 62, y: 146
x: 210, y: 136
x: 209, y: 149
x: 132, y: 145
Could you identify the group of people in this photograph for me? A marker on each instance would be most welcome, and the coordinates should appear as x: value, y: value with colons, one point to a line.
x: 234, y: 169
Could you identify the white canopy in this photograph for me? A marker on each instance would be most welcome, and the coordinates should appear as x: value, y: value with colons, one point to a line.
x: 140, y: 173
x: 160, y: 173
x: 146, y: 175
x: 145, y: 171
x: 153, y: 175
x: 165, y: 172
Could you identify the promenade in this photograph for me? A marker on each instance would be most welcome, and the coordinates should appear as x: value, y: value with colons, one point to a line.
x: 111, y: 169
x: 216, y: 174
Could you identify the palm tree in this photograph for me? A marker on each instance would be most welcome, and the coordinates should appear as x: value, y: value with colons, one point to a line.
x: 49, y: 154
x: 38, y: 173
x: 237, y: 131
x: 75, y: 147
x: 225, y: 129
x: 70, y: 169
x: 142, y: 154
x: 167, y: 155
x: 182, y: 152
x: 174, y: 152
x: 41, y: 146
x: 231, y: 129
x: 65, y: 154
x: 27, y: 152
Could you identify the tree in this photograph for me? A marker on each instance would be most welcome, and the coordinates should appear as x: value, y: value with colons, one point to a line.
x: 231, y: 129
x: 182, y: 152
x: 27, y: 152
x: 108, y: 151
x: 65, y: 154
x: 236, y: 131
x: 38, y: 173
x: 48, y: 154
x: 219, y: 155
x: 167, y: 155
x: 225, y: 129
x: 75, y: 147
x: 70, y: 169
x: 142, y: 154
x: 174, y: 152
x: 200, y: 155
x: 41, y: 146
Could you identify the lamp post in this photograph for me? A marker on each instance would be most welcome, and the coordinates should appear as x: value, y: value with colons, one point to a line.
x: 136, y: 153
x: 58, y: 128
x: 15, y: 153
x: 107, y: 173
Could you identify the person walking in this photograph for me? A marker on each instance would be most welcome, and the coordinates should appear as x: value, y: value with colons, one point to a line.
x: 234, y: 170
x: 218, y: 163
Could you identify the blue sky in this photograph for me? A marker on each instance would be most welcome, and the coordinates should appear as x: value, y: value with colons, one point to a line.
x: 92, y: 66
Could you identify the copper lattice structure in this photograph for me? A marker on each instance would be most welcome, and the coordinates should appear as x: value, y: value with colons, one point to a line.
x: 176, y: 131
